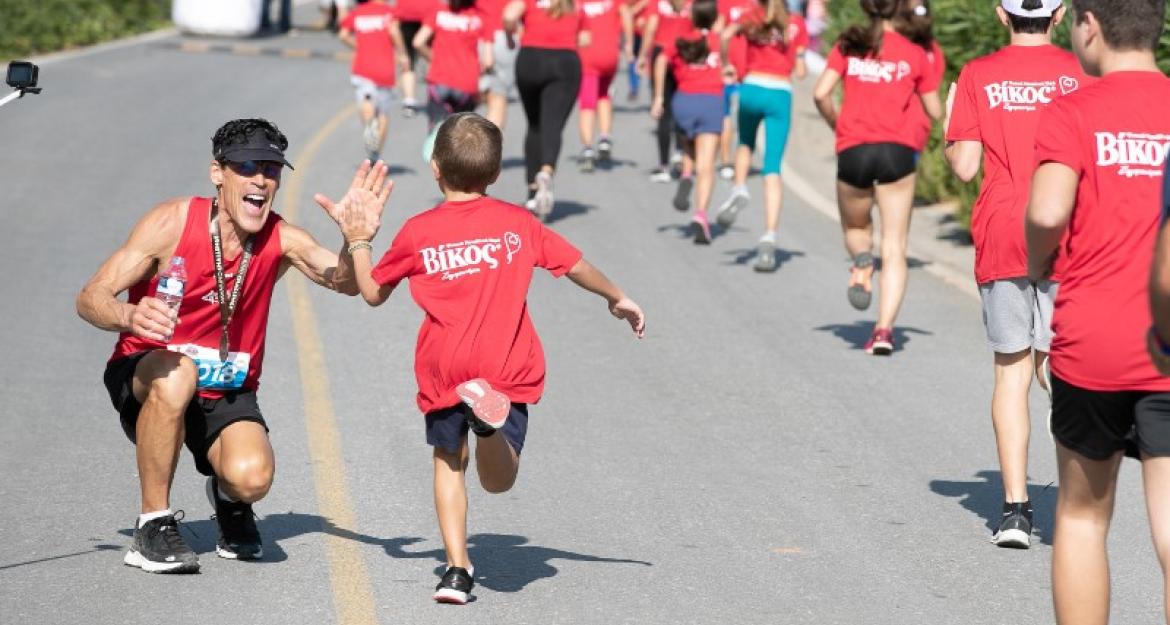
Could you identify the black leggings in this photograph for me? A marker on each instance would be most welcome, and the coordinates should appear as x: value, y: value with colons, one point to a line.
x: 666, y: 129
x: 548, y: 80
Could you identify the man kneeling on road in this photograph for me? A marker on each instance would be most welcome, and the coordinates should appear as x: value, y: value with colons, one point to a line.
x: 166, y: 376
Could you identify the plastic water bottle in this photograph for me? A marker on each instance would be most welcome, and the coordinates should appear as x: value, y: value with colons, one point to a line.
x: 172, y: 283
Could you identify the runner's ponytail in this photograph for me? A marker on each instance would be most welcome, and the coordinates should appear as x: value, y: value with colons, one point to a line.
x: 774, y: 28
x: 919, y: 27
x: 704, y: 13
x: 867, y: 40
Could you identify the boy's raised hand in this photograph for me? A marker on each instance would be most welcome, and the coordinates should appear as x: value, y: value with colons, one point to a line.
x: 626, y: 308
x: 359, y: 212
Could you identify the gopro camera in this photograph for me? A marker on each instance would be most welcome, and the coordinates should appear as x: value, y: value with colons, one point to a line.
x: 22, y: 75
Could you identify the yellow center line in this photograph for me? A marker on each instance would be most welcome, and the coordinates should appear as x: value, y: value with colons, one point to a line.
x: 352, y: 600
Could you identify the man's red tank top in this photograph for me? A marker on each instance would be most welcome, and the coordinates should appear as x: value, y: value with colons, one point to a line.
x: 199, y: 312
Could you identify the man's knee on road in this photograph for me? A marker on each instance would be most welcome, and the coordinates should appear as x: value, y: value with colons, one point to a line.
x: 247, y: 478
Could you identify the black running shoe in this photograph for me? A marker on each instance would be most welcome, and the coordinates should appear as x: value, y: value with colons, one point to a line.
x: 158, y: 547
x: 238, y: 537
x: 455, y: 587
x: 1015, y: 528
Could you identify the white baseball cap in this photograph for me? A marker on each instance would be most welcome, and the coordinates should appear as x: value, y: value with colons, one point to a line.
x: 1015, y: 7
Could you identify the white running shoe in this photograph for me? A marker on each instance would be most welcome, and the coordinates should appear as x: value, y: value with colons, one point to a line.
x: 544, y: 195
x: 729, y: 209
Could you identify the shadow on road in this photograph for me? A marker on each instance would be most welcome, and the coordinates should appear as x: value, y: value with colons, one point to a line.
x: 503, y: 562
x: 94, y: 549
x: 857, y: 333
x: 744, y: 256
x: 564, y: 209
x: 984, y: 497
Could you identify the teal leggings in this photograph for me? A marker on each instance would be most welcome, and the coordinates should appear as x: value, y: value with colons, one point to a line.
x: 773, y: 107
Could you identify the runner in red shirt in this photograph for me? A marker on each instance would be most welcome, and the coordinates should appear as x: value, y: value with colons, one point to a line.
x: 992, y: 115
x: 607, y: 22
x: 882, y: 72
x: 1100, y: 154
x: 461, y: 50
x: 372, y: 31
x: 548, y: 75
x: 479, y: 362
x: 774, y: 45
x: 666, y: 20
x: 732, y: 13
x: 191, y: 375
x: 697, y: 106
x: 410, y: 15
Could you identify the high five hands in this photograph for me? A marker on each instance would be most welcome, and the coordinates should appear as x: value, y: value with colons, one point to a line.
x: 359, y: 212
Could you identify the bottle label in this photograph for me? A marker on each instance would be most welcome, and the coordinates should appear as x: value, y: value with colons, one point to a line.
x: 170, y: 286
x: 214, y: 373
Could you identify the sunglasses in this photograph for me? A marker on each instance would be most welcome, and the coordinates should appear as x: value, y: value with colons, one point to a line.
x: 247, y: 169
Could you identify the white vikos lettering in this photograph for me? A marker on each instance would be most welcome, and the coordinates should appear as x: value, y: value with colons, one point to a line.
x: 1020, y: 96
x: 456, y: 260
x: 369, y: 23
x: 875, y: 71
x: 596, y: 9
x: 1137, y: 153
x: 448, y: 21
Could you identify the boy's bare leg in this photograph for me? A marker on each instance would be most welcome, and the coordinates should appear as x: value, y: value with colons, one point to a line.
x: 1156, y: 476
x: 1080, y: 563
x: 451, y: 503
x: 1009, y: 415
x: 383, y: 129
x: 497, y: 109
x: 496, y: 462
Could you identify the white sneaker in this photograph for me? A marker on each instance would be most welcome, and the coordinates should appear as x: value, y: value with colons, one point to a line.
x: 661, y: 174
x: 544, y: 195
x: 729, y: 209
x: 727, y: 172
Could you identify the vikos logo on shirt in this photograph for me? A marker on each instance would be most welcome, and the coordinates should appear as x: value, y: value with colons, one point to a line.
x: 596, y: 9
x: 873, y: 70
x: 455, y: 260
x: 462, y: 23
x: 1137, y: 153
x: 369, y: 23
x: 1015, y: 95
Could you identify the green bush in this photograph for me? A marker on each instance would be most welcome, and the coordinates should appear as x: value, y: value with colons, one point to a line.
x: 30, y: 27
x: 965, y: 29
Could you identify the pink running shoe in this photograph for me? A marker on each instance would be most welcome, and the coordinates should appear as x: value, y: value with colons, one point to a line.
x: 489, y: 406
x: 881, y: 342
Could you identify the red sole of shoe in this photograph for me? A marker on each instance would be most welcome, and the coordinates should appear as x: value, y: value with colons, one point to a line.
x: 492, y: 407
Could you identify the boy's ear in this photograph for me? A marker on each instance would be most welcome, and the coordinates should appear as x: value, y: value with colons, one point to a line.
x: 494, y: 178
x: 435, y: 169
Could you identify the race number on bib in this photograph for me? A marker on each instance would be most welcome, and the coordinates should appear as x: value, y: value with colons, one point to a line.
x: 213, y: 372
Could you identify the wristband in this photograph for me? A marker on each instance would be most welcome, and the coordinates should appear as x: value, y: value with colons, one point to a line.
x: 359, y: 245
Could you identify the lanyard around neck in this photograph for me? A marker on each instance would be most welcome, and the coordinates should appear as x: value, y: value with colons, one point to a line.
x: 227, y: 308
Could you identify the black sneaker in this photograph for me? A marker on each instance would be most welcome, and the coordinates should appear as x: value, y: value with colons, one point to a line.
x: 455, y: 587
x: 238, y: 537
x: 1015, y: 528
x: 158, y: 548
x: 682, y: 194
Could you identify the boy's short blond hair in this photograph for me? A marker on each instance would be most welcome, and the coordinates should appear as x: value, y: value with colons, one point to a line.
x: 468, y: 150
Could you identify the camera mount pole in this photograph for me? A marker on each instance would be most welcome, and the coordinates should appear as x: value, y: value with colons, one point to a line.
x: 18, y: 94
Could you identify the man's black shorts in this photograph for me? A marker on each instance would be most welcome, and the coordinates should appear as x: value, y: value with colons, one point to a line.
x: 863, y: 166
x: 204, y: 419
x: 1098, y: 424
x: 446, y: 427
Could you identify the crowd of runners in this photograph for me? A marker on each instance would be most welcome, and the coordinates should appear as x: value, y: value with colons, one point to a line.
x: 1071, y: 146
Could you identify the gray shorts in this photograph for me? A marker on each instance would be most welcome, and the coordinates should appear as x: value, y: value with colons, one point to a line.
x: 366, y: 89
x: 503, y: 77
x: 1018, y: 314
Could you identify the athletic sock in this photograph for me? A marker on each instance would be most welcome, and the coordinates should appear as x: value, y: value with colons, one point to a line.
x: 147, y: 517
x: 222, y: 495
x: 769, y: 237
x: 739, y: 189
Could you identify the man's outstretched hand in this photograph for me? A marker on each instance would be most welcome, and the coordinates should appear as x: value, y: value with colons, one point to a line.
x: 359, y: 212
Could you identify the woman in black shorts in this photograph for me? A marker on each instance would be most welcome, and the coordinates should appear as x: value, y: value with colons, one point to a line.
x: 882, y: 72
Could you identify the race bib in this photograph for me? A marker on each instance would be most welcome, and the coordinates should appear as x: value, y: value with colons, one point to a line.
x: 213, y: 372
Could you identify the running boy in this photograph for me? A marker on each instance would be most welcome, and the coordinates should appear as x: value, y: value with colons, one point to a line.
x: 479, y: 362
x: 1099, y: 154
x: 992, y: 114
x: 372, y: 31
x: 460, y: 51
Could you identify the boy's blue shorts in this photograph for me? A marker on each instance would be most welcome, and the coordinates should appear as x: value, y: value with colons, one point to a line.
x: 447, y: 427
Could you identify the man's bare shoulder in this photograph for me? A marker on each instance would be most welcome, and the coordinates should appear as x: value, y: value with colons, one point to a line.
x: 159, y: 230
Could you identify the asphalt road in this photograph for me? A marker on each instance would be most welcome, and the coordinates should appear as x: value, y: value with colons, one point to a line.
x: 745, y: 463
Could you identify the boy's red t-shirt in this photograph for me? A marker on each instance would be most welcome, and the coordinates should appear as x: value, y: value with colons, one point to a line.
x: 998, y: 102
x: 604, y: 23
x: 701, y: 78
x: 469, y: 265
x: 542, y: 30
x: 1114, y: 134
x: 373, y: 57
x: 672, y: 23
x: 777, y: 57
x: 921, y: 123
x: 878, y: 92
x: 455, y: 48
